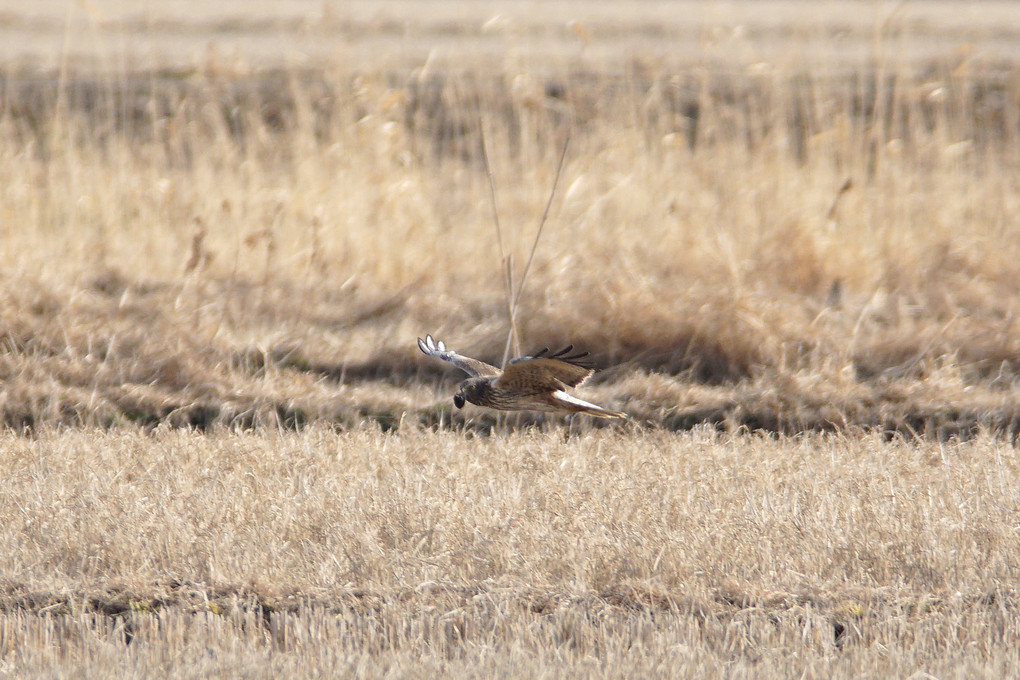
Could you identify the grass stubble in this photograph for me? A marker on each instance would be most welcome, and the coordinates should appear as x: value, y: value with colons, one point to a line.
x: 609, y: 553
x: 224, y: 455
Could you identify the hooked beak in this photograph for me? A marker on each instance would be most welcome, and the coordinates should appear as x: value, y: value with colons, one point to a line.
x: 458, y: 400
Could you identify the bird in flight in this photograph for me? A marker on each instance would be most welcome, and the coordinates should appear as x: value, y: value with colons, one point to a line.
x: 534, y: 383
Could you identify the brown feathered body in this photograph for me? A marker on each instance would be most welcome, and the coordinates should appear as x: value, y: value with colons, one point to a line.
x: 533, y: 383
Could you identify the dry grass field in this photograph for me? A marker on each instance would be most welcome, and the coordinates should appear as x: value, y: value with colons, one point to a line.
x: 787, y: 231
x: 607, y: 554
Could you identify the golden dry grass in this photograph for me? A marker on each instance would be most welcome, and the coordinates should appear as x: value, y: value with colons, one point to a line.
x: 793, y: 244
x: 605, y: 553
x: 789, y: 238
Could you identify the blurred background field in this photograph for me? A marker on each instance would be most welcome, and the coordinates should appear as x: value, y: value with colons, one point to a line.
x: 786, y: 231
x: 785, y: 216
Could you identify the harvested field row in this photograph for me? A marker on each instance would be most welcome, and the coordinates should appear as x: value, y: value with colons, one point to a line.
x: 600, y: 550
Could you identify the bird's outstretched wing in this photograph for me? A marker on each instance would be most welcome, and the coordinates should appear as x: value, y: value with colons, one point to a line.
x: 472, y: 367
x: 546, y: 372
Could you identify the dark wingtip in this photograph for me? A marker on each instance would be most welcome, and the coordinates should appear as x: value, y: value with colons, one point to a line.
x: 564, y: 355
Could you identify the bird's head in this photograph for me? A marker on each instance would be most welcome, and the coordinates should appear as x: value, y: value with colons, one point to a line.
x: 469, y: 390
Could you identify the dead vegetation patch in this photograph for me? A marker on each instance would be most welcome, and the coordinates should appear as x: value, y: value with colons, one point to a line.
x: 121, y: 353
x: 834, y: 548
x: 781, y: 253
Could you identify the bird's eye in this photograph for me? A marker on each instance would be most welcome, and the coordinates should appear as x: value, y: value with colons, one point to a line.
x: 458, y: 401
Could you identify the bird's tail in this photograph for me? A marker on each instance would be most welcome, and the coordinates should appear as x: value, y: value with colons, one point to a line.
x: 571, y: 403
x: 609, y: 414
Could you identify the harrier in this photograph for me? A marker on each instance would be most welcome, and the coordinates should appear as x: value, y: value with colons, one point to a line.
x: 535, y: 383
